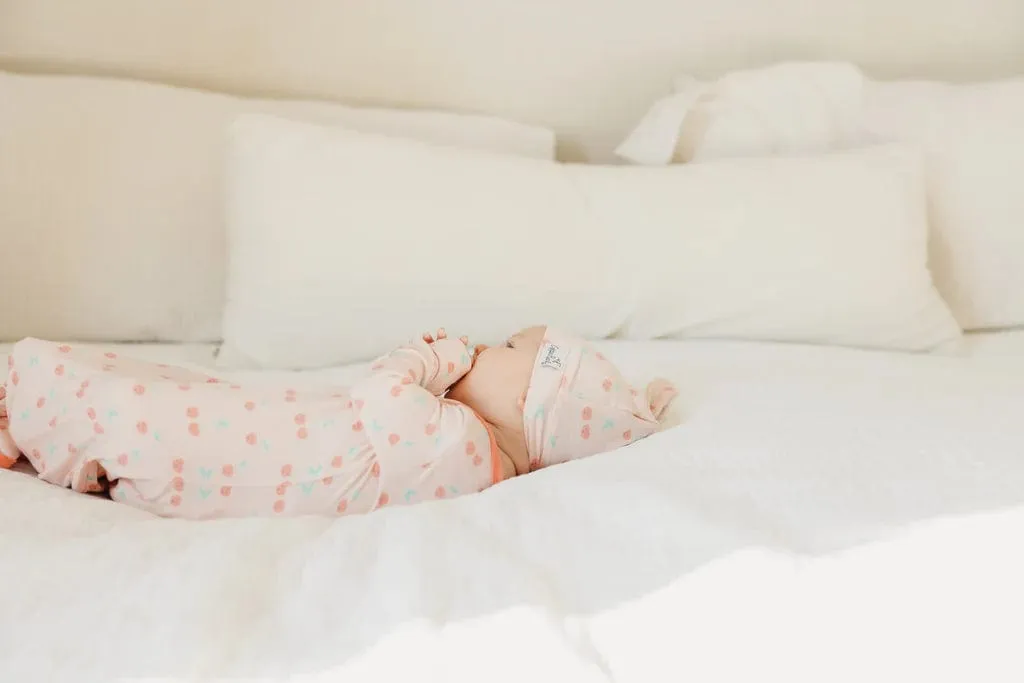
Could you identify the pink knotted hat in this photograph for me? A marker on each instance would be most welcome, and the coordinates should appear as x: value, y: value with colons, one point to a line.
x: 578, y: 404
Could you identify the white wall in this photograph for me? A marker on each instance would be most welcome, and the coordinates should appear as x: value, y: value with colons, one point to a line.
x: 587, y: 68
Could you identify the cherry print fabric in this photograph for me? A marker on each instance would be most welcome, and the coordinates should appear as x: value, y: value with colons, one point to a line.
x: 183, y: 444
x: 578, y: 403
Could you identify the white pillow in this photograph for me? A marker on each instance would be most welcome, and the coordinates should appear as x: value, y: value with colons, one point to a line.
x: 111, y: 202
x: 972, y: 136
x: 343, y: 244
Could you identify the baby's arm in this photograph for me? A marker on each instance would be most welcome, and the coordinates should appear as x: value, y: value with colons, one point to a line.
x: 398, y: 404
x: 432, y: 364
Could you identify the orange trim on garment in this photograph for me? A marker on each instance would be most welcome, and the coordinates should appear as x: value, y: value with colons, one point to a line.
x: 6, y: 463
x: 496, y: 469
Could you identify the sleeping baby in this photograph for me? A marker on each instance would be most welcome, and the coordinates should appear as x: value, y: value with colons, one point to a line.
x: 432, y: 420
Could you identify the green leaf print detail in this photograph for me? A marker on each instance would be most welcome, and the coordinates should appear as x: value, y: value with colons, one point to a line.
x: 328, y: 423
x: 52, y: 449
x: 223, y: 424
x: 419, y: 399
x: 156, y: 435
x: 24, y: 415
x: 376, y: 426
x: 539, y: 414
x: 266, y: 445
x: 53, y: 394
x: 34, y: 360
x: 307, y: 487
x: 409, y: 443
x: 608, y: 424
x: 465, y: 359
x: 554, y: 440
x: 454, y: 490
x: 242, y: 464
x: 205, y: 473
x: 205, y: 493
x: 355, y: 496
x: 136, y: 454
x: 111, y: 414
x: 409, y: 494
x: 352, y: 451
x: 314, y: 471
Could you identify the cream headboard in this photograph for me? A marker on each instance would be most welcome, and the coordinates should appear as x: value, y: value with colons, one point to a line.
x: 587, y: 68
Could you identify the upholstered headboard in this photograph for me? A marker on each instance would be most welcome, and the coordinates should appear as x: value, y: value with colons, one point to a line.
x: 587, y: 68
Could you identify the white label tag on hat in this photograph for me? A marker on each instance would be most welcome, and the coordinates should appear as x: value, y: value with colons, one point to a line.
x: 552, y: 356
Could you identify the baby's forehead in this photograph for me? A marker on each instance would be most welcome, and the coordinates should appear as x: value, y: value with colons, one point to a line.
x: 533, y: 332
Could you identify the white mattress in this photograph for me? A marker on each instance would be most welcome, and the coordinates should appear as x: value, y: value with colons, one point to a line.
x: 817, y: 514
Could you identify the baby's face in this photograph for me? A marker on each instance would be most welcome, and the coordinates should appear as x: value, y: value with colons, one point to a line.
x: 496, y: 385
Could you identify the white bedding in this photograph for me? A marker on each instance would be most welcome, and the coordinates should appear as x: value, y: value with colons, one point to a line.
x: 819, y: 514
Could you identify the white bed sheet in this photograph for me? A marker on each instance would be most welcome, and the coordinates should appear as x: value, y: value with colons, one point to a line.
x: 818, y: 514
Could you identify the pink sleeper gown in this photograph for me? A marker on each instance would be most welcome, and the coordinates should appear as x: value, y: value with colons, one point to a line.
x: 182, y: 444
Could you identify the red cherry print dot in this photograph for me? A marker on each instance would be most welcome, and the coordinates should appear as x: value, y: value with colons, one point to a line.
x: 394, y: 439
x: 470, y: 448
x: 282, y: 488
x: 342, y: 506
x: 250, y: 438
x: 110, y: 355
x: 477, y: 460
x: 250, y: 406
x: 406, y: 380
x: 80, y: 393
x: 64, y: 348
x: 607, y: 385
x: 85, y: 384
x: 53, y: 422
x: 628, y: 434
x: 142, y: 427
x: 587, y: 413
x: 534, y: 464
x: 72, y: 450
x: 122, y: 459
x: 348, y: 405
x: 175, y: 501
x: 396, y: 390
x: 300, y: 419
x: 430, y: 429
x: 97, y: 427
x: 59, y: 371
x: 439, y: 492
x: 178, y: 465
x: 107, y: 367
x: 236, y: 387
x: 225, y: 491
x: 184, y: 387
x: 139, y: 389
x: 36, y: 454
x: 302, y: 433
x: 383, y: 499
x: 359, y: 404
x: 40, y: 402
x: 357, y: 426
x: 178, y: 484
x: 10, y: 362
x: 336, y: 461
x: 192, y: 412
x: 91, y: 412
x: 228, y: 470
x: 286, y: 470
x: 193, y: 428
x: 599, y: 355
x: 290, y: 398
x: 290, y: 392
x: 451, y: 367
x: 375, y: 470
x: 14, y: 378
x: 585, y: 432
x: 328, y: 481
x: 212, y: 380
x: 278, y: 506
